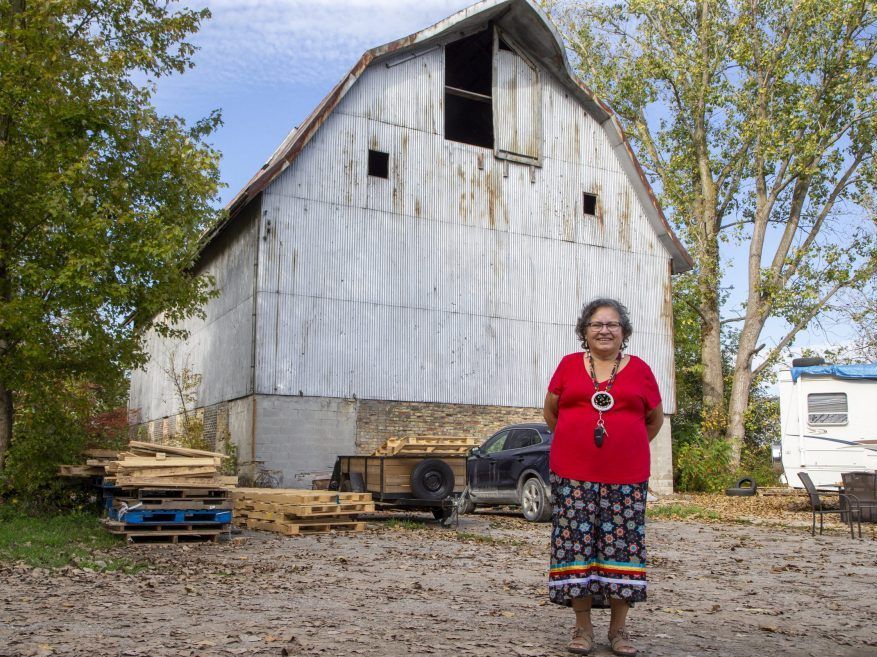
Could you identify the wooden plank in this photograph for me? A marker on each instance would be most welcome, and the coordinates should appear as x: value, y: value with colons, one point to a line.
x: 299, y: 529
x: 170, y: 449
x: 175, y: 482
x: 167, y: 472
x: 101, y: 453
x: 172, y: 462
x: 313, y: 510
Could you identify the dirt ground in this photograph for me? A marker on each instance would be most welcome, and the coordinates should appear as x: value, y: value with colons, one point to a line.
x: 759, y: 587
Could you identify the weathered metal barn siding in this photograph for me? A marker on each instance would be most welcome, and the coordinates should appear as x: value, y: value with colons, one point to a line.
x: 457, y: 279
x: 220, y: 346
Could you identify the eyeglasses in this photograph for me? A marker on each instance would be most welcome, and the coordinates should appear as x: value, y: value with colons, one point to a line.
x: 599, y: 326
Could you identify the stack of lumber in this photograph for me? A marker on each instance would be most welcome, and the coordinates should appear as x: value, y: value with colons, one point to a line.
x: 293, y: 511
x: 97, y: 460
x: 416, y: 446
x: 165, y: 493
x: 147, y: 464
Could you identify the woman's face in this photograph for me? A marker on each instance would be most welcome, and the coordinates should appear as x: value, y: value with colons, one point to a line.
x: 605, y: 341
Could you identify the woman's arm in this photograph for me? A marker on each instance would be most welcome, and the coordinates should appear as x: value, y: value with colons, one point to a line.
x: 549, y: 412
x: 654, y: 420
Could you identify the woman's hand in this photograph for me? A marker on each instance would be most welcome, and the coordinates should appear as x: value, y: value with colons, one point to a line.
x: 654, y: 421
x: 549, y: 411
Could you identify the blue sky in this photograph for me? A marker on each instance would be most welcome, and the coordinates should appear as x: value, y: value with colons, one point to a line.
x: 267, y: 63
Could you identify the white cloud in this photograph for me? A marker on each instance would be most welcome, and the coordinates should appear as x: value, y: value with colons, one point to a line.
x: 297, y: 42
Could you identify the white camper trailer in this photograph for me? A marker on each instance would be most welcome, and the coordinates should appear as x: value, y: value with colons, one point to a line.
x: 828, y: 415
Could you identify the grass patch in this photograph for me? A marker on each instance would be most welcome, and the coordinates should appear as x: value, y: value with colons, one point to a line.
x: 53, y: 541
x: 476, y: 538
x: 403, y: 523
x: 681, y: 512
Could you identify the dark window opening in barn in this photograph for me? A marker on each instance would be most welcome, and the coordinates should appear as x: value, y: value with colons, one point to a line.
x: 590, y: 203
x: 468, y: 90
x: 378, y: 164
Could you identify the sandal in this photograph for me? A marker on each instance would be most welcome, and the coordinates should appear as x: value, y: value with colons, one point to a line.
x: 621, y: 645
x: 582, y: 642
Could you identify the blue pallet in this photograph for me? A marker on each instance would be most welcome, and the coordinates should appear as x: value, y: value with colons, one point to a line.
x: 167, y: 516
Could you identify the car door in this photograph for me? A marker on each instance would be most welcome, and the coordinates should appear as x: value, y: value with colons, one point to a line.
x: 482, y: 466
x: 514, y: 459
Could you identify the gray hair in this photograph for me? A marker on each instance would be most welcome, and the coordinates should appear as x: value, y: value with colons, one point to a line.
x: 588, y: 311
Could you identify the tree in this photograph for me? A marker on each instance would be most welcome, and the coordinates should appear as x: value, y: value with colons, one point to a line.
x: 102, y: 199
x: 756, y: 119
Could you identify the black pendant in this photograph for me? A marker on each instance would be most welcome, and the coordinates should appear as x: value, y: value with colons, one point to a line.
x: 602, y: 400
x: 599, y: 432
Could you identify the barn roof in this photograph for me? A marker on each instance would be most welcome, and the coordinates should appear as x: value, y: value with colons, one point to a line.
x: 533, y: 30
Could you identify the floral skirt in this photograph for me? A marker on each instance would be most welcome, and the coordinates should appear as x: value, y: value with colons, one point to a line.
x: 597, y: 542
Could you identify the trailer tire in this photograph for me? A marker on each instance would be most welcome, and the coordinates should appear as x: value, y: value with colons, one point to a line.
x: 432, y: 479
x: 745, y: 488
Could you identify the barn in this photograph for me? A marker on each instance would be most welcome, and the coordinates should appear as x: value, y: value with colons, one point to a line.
x: 412, y: 258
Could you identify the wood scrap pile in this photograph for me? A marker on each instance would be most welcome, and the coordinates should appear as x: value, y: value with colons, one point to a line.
x: 165, y: 493
x: 415, y: 446
x: 292, y: 511
x: 147, y: 464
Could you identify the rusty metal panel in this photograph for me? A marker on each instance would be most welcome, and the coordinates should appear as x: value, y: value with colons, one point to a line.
x: 219, y: 347
x: 517, y: 105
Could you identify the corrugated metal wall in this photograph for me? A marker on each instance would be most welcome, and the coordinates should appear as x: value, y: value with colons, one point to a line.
x: 459, y: 278
x: 219, y: 347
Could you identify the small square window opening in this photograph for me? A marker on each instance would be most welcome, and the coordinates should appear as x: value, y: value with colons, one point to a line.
x: 590, y: 203
x: 378, y: 164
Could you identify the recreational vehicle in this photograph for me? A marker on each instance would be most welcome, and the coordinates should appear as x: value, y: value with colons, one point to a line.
x: 828, y: 415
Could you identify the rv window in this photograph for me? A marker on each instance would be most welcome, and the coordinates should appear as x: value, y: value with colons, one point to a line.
x: 827, y: 408
x: 468, y: 90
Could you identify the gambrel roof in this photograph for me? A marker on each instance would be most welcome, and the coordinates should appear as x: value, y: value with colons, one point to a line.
x: 533, y: 30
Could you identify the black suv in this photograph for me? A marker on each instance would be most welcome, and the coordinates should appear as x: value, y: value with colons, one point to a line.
x: 511, y: 467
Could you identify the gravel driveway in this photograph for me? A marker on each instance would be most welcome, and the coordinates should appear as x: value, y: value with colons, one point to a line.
x: 406, y: 588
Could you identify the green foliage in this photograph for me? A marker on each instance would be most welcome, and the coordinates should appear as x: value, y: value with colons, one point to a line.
x: 53, y: 541
x: 757, y: 122
x: 702, y: 465
x: 53, y: 426
x: 103, y: 200
x: 681, y: 512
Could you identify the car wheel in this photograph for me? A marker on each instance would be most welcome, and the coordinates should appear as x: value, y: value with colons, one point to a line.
x: 534, y: 501
x: 432, y: 479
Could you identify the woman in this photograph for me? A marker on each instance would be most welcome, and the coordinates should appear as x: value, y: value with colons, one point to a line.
x: 604, y: 408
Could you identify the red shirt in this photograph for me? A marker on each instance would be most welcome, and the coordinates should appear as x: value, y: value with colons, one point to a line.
x: 624, y: 457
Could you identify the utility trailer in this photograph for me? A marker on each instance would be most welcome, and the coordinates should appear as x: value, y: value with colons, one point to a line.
x: 433, y: 481
x: 828, y: 418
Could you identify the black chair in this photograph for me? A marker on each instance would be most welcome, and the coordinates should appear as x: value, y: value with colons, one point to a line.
x: 861, y: 489
x: 816, y: 506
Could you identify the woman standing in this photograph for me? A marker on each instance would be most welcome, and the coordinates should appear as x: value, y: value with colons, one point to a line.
x: 604, y: 408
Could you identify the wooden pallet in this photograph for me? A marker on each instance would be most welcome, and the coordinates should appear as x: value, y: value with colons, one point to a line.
x: 296, y: 496
x: 426, y: 445
x: 302, y: 528
x: 175, y: 502
x: 297, y: 511
x: 165, y: 533
x: 80, y: 471
x: 309, y: 510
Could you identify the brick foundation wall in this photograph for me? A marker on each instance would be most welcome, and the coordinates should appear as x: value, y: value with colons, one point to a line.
x: 162, y: 430
x: 376, y: 421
